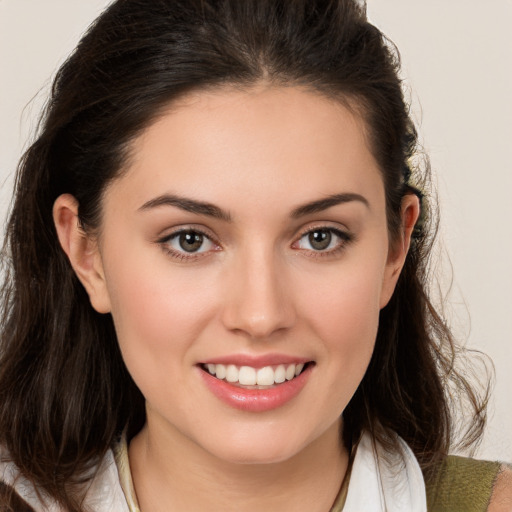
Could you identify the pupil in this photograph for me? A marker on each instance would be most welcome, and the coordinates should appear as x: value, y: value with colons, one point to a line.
x: 320, y: 239
x: 191, y: 242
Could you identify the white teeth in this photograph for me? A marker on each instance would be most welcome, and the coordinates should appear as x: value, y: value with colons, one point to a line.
x: 249, y: 376
x: 220, y: 371
x: 280, y: 374
x: 265, y: 376
x: 232, y: 373
x: 290, y: 372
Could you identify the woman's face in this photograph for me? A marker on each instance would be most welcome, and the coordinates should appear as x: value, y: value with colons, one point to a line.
x: 246, y: 238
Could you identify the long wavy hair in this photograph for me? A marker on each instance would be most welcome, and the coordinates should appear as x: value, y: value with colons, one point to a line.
x: 65, y: 394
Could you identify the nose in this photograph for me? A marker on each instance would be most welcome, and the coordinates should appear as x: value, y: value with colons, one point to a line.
x: 257, y: 299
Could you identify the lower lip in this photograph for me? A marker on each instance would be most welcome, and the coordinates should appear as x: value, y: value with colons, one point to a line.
x: 256, y: 400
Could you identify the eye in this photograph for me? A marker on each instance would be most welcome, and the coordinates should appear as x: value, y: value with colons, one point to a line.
x: 323, y: 240
x: 188, y: 241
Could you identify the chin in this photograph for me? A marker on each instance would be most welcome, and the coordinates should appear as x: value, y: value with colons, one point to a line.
x: 253, y: 448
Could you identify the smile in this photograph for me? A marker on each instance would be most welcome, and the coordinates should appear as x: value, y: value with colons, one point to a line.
x: 256, y: 388
x: 255, y: 377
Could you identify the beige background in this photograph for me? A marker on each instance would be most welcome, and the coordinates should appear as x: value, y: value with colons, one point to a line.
x: 457, y: 58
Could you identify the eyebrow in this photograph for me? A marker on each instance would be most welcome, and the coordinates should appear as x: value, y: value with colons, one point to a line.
x: 188, y: 205
x: 328, y: 202
x: 210, y: 210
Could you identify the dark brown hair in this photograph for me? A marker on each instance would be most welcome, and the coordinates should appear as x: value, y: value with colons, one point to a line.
x: 65, y: 394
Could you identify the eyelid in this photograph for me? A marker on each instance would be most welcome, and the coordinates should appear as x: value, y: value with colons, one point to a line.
x: 344, y: 234
x: 167, y: 233
x: 163, y: 241
x: 326, y: 225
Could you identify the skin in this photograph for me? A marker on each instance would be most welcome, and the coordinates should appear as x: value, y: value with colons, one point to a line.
x: 259, y: 287
x: 502, y: 494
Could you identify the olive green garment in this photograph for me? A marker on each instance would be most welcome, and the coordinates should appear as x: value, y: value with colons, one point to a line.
x: 461, y: 485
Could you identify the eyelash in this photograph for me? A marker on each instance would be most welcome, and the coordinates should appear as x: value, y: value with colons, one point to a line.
x: 183, y: 255
x: 344, y: 238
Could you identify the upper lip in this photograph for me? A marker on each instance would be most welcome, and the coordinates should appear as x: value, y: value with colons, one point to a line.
x: 256, y: 361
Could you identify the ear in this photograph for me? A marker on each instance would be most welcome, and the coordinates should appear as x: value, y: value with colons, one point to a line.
x: 398, y: 250
x: 82, y: 251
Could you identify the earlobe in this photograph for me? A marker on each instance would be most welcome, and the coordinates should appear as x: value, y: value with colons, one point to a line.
x: 82, y: 251
x: 410, y: 212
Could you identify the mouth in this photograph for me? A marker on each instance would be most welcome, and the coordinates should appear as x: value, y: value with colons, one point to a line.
x: 268, y: 384
x: 248, y: 377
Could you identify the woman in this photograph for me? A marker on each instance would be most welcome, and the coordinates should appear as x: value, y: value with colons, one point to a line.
x: 217, y: 295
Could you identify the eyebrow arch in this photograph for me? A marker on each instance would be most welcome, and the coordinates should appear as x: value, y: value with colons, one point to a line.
x: 330, y: 201
x: 188, y: 205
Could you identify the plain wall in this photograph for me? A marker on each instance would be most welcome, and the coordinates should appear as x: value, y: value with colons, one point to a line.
x: 457, y: 57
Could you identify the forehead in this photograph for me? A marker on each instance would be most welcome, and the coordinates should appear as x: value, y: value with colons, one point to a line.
x: 266, y: 143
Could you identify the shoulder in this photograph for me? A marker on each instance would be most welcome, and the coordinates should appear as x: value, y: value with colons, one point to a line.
x: 102, y: 493
x: 13, y: 487
x: 460, y: 483
x: 501, y: 499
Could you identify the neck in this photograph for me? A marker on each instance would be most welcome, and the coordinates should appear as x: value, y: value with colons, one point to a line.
x: 171, y: 472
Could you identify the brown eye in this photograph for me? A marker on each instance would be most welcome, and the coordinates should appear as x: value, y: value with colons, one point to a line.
x: 323, y: 240
x: 190, y: 241
x: 320, y: 239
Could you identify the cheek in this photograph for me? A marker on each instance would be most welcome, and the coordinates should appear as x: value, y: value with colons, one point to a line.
x: 345, y: 304
x: 342, y: 310
x: 157, y: 312
x: 158, y: 319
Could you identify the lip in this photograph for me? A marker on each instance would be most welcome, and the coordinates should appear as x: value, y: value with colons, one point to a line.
x: 256, y: 361
x: 256, y: 400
